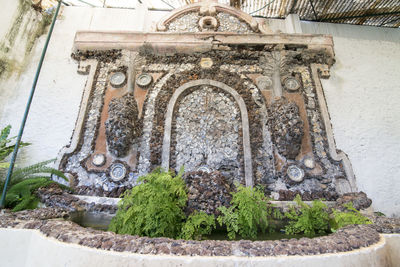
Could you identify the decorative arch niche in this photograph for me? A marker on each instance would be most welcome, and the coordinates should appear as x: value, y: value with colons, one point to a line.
x: 244, y: 116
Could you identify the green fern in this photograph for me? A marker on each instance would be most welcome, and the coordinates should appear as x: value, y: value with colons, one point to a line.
x: 25, y: 181
x: 230, y: 219
x: 249, y: 213
x: 37, y: 169
x: 33, y: 171
x: 154, y: 208
x: 21, y: 196
x: 5, y: 148
x: 310, y: 220
x: 197, y: 225
x: 348, y: 217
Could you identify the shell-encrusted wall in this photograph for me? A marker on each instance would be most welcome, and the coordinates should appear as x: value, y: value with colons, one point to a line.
x: 250, y: 108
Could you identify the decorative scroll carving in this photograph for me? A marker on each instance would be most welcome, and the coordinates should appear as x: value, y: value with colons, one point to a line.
x: 211, y: 9
x: 276, y: 67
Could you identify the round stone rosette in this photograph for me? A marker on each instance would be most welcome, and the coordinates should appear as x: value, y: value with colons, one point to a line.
x: 118, y: 79
x: 118, y: 172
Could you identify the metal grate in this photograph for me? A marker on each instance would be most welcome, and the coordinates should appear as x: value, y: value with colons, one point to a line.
x: 382, y: 13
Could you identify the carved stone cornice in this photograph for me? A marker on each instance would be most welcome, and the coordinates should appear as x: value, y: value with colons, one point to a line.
x: 171, y: 42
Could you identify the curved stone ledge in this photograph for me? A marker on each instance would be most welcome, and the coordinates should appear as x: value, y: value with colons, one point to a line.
x: 50, y: 223
x: 39, y: 250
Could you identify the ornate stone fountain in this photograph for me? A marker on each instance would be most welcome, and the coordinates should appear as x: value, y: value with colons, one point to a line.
x: 214, y: 90
x: 211, y: 89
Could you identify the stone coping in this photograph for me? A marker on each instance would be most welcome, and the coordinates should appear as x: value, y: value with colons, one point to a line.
x: 56, y: 198
x: 99, y: 200
x: 50, y: 222
x: 166, y: 43
x: 283, y: 205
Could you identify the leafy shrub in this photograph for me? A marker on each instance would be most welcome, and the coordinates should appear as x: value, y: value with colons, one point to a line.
x: 351, y: 216
x: 154, y: 208
x: 25, y: 181
x: 5, y: 150
x: 249, y: 213
x: 306, y: 219
x: 197, y: 225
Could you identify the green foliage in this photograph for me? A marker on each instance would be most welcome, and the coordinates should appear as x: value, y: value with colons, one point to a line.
x: 306, y: 219
x: 154, y: 208
x: 229, y: 218
x: 378, y: 213
x: 5, y: 147
x: 315, y: 219
x: 21, y: 197
x: 25, y: 181
x: 249, y: 213
x: 35, y: 170
x: 5, y: 150
x: 350, y: 216
x: 197, y: 225
x: 30, y: 172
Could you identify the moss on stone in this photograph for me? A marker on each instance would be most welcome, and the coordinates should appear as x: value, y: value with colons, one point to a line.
x: 23, y: 7
x: 8, y: 66
x: 40, y: 29
x: 30, y: 28
x: 3, y: 65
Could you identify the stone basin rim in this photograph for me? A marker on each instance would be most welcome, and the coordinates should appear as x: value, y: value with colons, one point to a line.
x: 47, y: 221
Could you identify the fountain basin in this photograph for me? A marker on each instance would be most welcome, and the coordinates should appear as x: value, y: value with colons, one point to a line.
x: 43, y: 237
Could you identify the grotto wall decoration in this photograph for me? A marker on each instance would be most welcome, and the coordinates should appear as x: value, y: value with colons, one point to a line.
x: 211, y: 89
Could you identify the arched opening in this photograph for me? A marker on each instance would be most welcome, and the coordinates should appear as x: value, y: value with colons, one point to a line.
x: 213, y: 158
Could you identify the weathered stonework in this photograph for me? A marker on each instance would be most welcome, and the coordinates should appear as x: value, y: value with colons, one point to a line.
x: 122, y: 125
x: 207, y: 191
x: 226, y: 95
x: 224, y: 22
x: 206, y: 132
x: 286, y: 127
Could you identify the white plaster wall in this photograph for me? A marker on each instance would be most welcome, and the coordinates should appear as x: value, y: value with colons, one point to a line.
x: 363, y: 96
x: 59, y: 90
x: 7, y: 12
x: 55, y: 105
